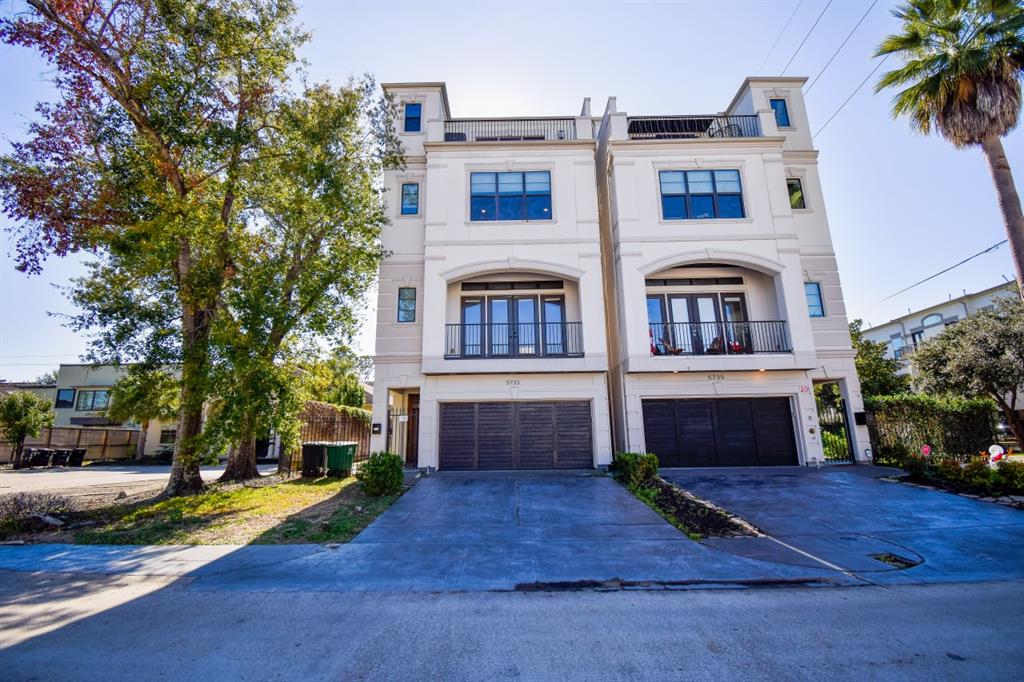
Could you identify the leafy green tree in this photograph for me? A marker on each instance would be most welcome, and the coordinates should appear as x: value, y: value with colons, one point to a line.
x: 23, y: 414
x: 338, y: 379
x: 143, y: 395
x: 317, y: 210
x: 980, y: 356
x: 163, y: 112
x: 961, y: 75
x: 47, y: 377
x: 878, y: 374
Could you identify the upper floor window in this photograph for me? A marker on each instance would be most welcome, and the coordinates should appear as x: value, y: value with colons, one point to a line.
x: 781, y: 112
x: 796, y: 193
x: 701, y: 194
x: 65, y: 398
x: 510, y: 196
x: 934, y: 318
x: 407, y: 304
x: 410, y: 198
x: 814, y: 304
x: 413, y: 117
x: 92, y: 400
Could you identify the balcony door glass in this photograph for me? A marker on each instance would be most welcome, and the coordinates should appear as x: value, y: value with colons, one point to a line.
x: 526, y: 326
x: 472, y: 326
x: 554, y: 326
x: 499, y: 327
x: 706, y: 306
x: 661, y: 336
x: 683, y: 333
x: 737, y: 332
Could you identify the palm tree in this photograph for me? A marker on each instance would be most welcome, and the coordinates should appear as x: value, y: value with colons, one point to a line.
x: 961, y: 75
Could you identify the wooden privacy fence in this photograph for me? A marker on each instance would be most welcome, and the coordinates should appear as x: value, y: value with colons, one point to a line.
x: 99, y: 443
x: 322, y: 422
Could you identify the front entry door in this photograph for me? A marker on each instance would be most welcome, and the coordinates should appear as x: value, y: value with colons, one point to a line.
x: 412, y: 438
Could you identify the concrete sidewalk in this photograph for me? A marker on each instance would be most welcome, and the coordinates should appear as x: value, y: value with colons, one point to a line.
x: 64, y: 478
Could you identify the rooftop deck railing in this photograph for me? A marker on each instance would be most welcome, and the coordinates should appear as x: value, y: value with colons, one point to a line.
x: 509, y: 129
x: 693, y: 127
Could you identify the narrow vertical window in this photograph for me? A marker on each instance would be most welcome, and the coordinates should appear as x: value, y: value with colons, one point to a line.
x: 814, y: 305
x: 410, y: 198
x: 407, y: 304
x: 781, y: 112
x: 413, y: 117
x: 796, y: 193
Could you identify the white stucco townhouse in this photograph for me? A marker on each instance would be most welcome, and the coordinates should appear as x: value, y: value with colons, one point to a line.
x: 561, y: 288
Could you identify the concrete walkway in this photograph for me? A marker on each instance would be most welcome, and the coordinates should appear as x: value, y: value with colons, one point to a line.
x: 64, y: 478
x: 847, y: 517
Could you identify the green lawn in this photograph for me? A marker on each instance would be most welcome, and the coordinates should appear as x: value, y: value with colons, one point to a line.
x: 299, y: 511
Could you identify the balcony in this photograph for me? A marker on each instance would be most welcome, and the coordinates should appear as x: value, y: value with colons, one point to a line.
x: 719, y: 338
x: 522, y: 340
x: 509, y: 130
x: 708, y: 126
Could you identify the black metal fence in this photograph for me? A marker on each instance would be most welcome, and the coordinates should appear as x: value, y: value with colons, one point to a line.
x: 509, y: 129
x: 525, y: 339
x: 693, y: 127
x: 719, y: 338
x: 835, y: 432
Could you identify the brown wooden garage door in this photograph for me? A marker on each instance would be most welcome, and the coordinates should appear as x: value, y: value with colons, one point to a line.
x: 516, y: 435
x: 720, y: 432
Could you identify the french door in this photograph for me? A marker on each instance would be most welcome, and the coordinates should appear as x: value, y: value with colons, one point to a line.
x: 508, y: 326
x: 686, y: 324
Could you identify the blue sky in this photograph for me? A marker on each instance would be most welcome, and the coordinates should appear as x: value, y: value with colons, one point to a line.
x: 901, y: 206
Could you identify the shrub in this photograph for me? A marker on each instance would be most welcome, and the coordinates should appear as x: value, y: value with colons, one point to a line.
x: 635, y: 468
x: 949, y: 469
x: 381, y: 474
x: 917, y: 466
x: 19, y: 511
x: 1011, y: 475
x: 899, y: 424
x: 977, y: 475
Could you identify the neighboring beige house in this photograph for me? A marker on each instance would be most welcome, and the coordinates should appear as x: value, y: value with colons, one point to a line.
x: 43, y: 390
x: 903, y: 333
x: 82, y: 395
x: 561, y: 288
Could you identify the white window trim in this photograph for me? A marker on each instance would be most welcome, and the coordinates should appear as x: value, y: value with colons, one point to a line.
x: 699, y: 165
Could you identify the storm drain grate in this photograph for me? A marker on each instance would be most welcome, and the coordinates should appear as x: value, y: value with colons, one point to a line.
x: 895, y: 560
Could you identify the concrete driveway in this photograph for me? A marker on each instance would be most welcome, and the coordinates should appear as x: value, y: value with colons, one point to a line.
x: 847, y: 517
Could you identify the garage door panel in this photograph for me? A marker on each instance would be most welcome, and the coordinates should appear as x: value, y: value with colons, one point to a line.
x: 458, y: 436
x: 660, y: 431
x: 495, y: 436
x: 535, y: 426
x: 773, y: 426
x: 737, y: 446
x: 573, y: 435
x: 695, y: 428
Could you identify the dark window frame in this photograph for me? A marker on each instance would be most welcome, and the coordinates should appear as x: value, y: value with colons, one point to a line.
x: 800, y: 188
x: 64, y: 404
x: 92, y: 393
x: 416, y: 196
x: 784, y: 114
x: 418, y: 118
x: 820, y: 305
x: 715, y: 195
x: 524, y: 196
x: 168, y: 440
x: 401, y: 309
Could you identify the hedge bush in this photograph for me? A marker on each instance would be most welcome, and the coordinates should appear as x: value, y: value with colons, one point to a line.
x: 635, y: 468
x: 381, y: 474
x: 975, y: 476
x: 955, y: 427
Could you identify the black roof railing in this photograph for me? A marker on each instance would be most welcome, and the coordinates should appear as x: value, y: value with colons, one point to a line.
x: 509, y: 129
x: 714, y: 126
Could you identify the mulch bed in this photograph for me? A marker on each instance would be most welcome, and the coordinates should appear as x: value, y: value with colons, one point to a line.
x: 697, y: 516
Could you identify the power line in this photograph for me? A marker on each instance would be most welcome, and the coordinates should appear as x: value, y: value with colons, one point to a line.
x: 848, y: 36
x: 809, y: 32
x: 942, y: 272
x: 779, y: 37
x: 847, y: 100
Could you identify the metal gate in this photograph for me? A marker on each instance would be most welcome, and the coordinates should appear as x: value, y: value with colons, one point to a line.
x: 835, y: 432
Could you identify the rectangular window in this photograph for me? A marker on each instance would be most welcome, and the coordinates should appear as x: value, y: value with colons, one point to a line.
x: 413, y: 117
x: 168, y: 436
x: 406, y: 304
x: 781, y: 112
x: 510, y: 196
x: 701, y: 194
x: 814, y: 305
x: 65, y: 398
x: 92, y: 400
x: 410, y: 198
x: 796, y: 193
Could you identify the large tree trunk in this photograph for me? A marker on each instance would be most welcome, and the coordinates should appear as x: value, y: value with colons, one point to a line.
x: 242, y: 460
x: 1009, y: 203
x: 140, y: 448
x: 1013, y: 419
x: 185, y: 478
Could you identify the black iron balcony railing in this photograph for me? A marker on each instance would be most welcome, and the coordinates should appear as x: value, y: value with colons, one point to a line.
x: 719, y: 338
x: 509, y: 129
x: 522, y: 340
x: 692, y: 127
x: 903, y: 354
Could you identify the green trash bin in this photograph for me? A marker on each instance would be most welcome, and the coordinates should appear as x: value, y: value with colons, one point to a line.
x: 340, y: 456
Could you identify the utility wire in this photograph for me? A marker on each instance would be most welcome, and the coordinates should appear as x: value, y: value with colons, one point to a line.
x: 847, y: 100
x: 845, y: 40
x: 942, y: 272
x: 779, y: 37
x: 809, y: 32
